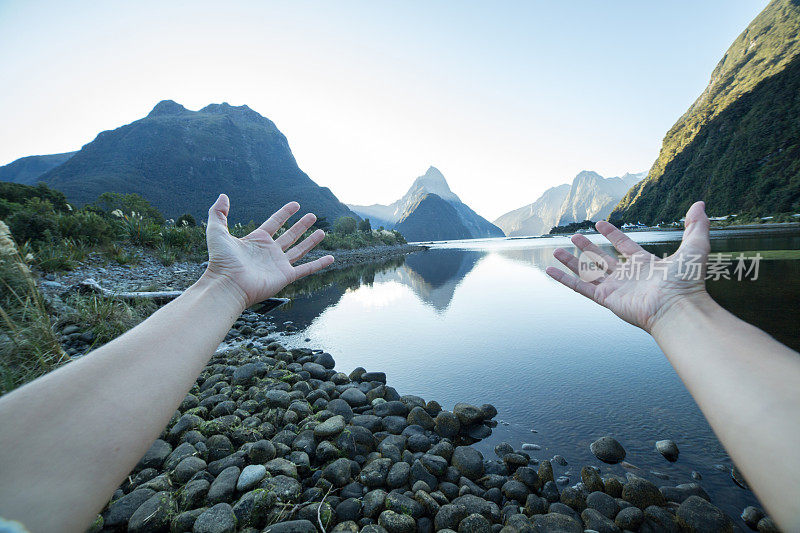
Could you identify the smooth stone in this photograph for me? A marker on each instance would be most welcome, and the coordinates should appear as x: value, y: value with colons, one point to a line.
x: 668, y: 449
x: 224, y: 485
x: 291, y: 526
x: 697, y: 515
x: 751, y: 516
x: 121, y: 510
x: 396, y: 522
x: 630, y: 518
x: 468, y: 461
x: 354, y: 397
x: 608, y: 450
x: 217, y: 519
x: 330, y: 427
x: 557, y: 522
x: 153, y: 515
x: 596, y: 521
x: 251, y: 475
x: 602, y: 502
x: 642, y: 493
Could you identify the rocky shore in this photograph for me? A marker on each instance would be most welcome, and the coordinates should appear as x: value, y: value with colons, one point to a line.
x: 149, y: 274
x: 279, y: 441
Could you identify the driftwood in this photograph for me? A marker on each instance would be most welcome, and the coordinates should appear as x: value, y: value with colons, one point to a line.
x: 90, y: 285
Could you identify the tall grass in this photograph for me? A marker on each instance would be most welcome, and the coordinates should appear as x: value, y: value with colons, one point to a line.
x: 29, y: 346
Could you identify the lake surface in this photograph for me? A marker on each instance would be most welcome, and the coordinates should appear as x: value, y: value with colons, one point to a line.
x: 480, y: 321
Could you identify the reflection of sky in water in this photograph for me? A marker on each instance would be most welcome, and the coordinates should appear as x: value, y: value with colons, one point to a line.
x: 481, y: 322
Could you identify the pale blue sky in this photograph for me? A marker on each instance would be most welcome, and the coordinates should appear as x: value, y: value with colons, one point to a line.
x: 506, y: 98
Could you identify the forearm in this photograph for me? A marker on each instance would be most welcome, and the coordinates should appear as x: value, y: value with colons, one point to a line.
x: 746, y: 384
x: 97, y: 416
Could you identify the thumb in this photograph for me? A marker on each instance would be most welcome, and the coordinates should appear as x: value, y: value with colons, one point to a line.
x: 695, y: 236
x: 218, y: 213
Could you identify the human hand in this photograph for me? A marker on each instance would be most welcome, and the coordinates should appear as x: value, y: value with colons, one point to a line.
x: 643, y: 289
x: 256, y: 267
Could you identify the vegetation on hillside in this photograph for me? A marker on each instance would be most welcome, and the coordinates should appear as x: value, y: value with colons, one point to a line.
x: 736, y: 146
x: 56, y: 236
x: 746, y: 160
x: 572, y: 227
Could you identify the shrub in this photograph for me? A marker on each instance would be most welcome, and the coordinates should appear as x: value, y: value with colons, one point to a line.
x: 86, y: 226
x: 364, y: 225
x: 345, y: 225
x: 185, y: 219
x: 35, y: 222
x: 117, y: 253
x: 129, y: 203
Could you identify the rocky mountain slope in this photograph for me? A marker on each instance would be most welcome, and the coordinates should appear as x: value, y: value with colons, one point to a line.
x: 27, y: 170
x: 429, y: 211
x: 737, y: 145
x: 181, y: 160
x: 590, y: 196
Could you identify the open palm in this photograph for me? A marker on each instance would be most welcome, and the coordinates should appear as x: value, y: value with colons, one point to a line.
x: 643, y: 287
x: 257, y: 265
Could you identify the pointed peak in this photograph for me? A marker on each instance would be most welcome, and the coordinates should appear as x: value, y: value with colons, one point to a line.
x: 167, y: 107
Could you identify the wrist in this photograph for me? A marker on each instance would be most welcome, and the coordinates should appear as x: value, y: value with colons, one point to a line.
x: 222, y: 291
x: 683, y: 310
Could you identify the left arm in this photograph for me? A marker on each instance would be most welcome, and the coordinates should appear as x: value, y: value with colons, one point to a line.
x: 69, y: 438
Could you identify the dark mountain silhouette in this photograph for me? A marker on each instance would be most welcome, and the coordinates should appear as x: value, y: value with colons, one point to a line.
x: 180, y: 160
x: 28, y: 170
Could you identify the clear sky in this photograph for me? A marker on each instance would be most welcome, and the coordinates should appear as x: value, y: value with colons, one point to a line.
x: 505, y: 98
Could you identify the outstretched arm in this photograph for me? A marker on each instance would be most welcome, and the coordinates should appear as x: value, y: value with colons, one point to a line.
x: 745, y: 382
x: 70, y: 437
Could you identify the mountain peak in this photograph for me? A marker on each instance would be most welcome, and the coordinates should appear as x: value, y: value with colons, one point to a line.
x: 167, y: 107
x: 432, y: 181
x: 242, y: 111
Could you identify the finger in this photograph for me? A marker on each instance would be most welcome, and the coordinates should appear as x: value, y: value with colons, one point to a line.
x: 566, y: 259
x: 574, y: 264
x: 585, y: 245
x: 695, y: 236
x: 306, y: 245
x: 291, y: 235
x: 621, y: 242
x: 279, y: 218
x: 218, y: 213
x: 311, y: 267
x: 581, y: 287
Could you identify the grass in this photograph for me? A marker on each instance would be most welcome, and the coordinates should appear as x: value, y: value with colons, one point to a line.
x: 29, y: 346
x: 107, y: 318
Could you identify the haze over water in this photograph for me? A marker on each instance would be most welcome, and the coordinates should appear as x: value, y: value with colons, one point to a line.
x: 481, y: 322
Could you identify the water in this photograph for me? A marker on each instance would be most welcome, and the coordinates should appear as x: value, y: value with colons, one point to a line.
x: 481, y: 322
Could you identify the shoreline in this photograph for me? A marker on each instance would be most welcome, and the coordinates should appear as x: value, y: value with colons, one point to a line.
x: 280, y: 441
x: 390, y: 464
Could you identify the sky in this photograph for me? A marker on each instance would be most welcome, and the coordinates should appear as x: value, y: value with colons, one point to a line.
x: 505, y: 98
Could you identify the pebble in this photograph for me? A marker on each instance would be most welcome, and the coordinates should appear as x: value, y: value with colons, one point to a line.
x: 608, y: 450
x: 668, y: 449
x: 251, y: 475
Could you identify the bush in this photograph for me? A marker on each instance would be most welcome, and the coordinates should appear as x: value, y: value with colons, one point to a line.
x: 345, y: 226
x: 35, y: 222
x: 364, y: 225
x: 128, y: 204
x: 86, y: 226
x: 186, y: 219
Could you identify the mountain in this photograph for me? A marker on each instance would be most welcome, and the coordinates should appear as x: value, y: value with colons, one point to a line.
x: 429, y: 211
x: 536, y: 218
x: 738, y: 145
x: 590, y: 196
x: 27, y: 170
x: 180, y: 160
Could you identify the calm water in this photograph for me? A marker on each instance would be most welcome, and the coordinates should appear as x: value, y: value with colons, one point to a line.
x: 480, y: 321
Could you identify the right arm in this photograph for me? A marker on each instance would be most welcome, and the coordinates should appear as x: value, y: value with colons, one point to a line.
x: 748, y: 386
x: 746, y: 383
